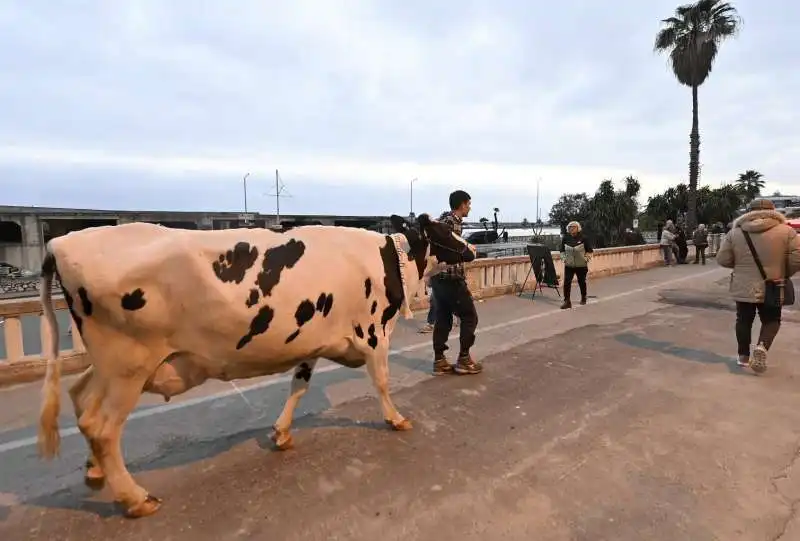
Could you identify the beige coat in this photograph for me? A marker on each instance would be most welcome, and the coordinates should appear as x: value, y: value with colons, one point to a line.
x: 776, y: 244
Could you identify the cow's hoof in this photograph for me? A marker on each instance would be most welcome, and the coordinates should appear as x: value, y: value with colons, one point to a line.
x: 150, y: 505
x: 95, y: 482
x: 282, y: 440
x: 401, y: 425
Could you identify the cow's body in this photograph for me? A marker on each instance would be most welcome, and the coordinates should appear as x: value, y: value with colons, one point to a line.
x: 247, y: 315
x: 162, y: 310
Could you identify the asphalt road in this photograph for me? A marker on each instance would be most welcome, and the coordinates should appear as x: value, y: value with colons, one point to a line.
x: 622, y: 419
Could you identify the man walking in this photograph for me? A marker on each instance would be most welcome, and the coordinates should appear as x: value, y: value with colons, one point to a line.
x: 700, y: 239
x: 760, y: 246
x: 667, y: 242
x: 453, y: 296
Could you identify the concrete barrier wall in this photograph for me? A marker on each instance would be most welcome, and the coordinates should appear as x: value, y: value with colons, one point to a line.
x: 486, y: 278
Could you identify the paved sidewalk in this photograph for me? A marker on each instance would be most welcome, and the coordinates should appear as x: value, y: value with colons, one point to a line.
x: 623, y: 420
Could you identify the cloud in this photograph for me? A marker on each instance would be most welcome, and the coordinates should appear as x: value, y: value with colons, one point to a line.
x: 363, y: 96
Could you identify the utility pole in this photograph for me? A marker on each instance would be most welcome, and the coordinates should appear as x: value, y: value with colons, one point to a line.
x: 244, y: 182
x: 411, y: 210
x: 277, y: 199
x: 279, y: 189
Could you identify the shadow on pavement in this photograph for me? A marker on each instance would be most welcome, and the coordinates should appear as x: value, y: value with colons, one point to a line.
x: 669, y: 348
x: 178, y: 448
x: 714, y: 300
x: 178, y: 453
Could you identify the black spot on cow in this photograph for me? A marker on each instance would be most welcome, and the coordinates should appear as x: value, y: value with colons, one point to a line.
x: 276, y: 259
x: 86, y: 304
x: 134, y: 300
x: 325, y: 303
x: 304, y: 372
x: 71, y: 306
x: 304, y: 312
x: 359, y: 331
x: 374, y: 307
x: 49, y: 264
x: 372, y: 341
x: 392, y: 282
x: 258, y: 325
x: 252, y: 300
x: 368, y: 287
x: 50, y: 267
x: 234, y: 264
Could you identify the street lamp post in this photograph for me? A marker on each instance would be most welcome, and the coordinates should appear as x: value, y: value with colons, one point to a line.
x: 244, y: 182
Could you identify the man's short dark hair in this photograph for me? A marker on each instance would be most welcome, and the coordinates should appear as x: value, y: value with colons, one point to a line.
x: 458, y: 198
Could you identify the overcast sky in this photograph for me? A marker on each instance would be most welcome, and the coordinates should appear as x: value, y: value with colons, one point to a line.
x: 166, y: 104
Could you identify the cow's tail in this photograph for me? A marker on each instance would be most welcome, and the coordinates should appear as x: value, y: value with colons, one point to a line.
x: 49, y: 439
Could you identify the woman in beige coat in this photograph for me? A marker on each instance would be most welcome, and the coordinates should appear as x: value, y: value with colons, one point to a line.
x: 778, y: 248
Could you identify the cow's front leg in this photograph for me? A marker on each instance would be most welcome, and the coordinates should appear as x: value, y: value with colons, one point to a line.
x: 302, y: 375
x: 378, y: 368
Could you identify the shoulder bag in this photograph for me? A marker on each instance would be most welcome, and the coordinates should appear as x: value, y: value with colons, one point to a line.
x: 778, y: 292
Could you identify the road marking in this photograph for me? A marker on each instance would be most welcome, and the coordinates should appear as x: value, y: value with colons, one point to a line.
x: 155, y: 410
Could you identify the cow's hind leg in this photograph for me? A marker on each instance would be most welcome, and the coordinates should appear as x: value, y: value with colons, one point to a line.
x: 302, y: 375
x: 378, y: 368
x: 112, y: 398
x: 94, y: 476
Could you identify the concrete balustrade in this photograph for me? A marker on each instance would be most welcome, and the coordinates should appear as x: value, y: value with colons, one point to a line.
x: 505, y: 275
x: 20, y: 364
x: 486, y: 278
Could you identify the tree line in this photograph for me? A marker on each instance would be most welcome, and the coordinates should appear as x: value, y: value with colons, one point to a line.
x: 608, y: 215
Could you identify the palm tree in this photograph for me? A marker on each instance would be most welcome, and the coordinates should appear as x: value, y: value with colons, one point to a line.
x: 692, y: 38
x: 750, y: 185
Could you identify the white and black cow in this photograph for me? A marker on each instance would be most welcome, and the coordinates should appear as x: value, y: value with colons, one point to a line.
x: 162, y: 310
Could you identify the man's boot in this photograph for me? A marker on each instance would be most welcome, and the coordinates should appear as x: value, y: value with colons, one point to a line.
x: 566, y: 304
x: 441, y: 366
x: 467, y: 365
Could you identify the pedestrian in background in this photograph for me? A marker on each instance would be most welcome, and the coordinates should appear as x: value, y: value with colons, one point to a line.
x: 430, y: 321
x: 760, y: 248
x: 575, y: 253
x: 700, y: 239
x: 667, y: 242
x: 681, y: 246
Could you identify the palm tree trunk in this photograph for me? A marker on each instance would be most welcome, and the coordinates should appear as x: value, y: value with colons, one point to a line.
x: 694, y: 166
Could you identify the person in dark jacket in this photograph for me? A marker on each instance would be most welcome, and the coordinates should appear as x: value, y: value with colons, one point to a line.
x: 576, y: 251
x: 454, y: 297
x: 681, y: 245
x: 700, y: 239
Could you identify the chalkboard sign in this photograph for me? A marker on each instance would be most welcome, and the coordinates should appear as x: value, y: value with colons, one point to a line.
x: 542, y: 267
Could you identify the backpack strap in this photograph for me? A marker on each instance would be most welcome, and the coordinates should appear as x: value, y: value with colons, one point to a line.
x: 755, y: 254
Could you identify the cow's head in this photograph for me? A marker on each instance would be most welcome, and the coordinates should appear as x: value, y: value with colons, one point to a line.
x: 432, y: 243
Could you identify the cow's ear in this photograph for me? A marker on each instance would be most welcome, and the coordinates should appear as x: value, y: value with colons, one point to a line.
x: 398, y: 223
